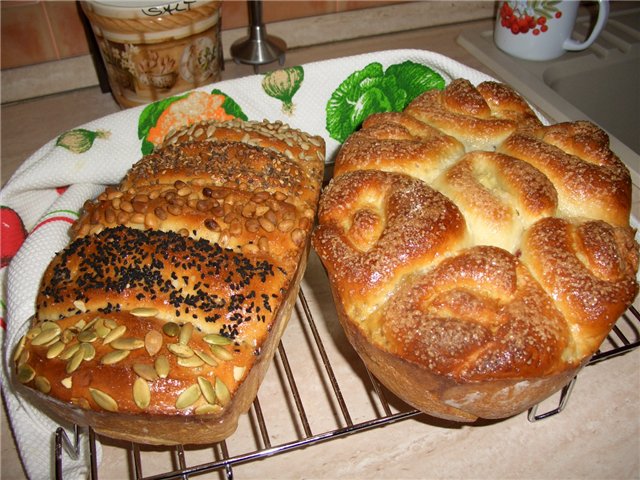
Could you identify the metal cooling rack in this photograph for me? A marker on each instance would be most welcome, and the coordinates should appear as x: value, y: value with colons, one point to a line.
x: 625, y: 336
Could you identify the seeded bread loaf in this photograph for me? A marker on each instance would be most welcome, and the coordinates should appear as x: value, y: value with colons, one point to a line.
x: 477, y: 258
x: 158, y: 322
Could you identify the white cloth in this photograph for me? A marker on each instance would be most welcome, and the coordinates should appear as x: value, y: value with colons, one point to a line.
x: 47, y: 210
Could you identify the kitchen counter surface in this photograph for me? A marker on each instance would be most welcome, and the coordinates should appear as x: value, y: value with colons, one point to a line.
x: 597, y: 436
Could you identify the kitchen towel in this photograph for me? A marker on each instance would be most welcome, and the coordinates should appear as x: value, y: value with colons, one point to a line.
x: 45, y: 195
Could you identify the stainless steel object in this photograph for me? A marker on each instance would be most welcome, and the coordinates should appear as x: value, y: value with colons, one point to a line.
x: 258, y: 48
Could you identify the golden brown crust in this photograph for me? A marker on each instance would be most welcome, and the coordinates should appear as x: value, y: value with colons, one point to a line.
x: 507, y: 265
x: 377, y: 227
x: 480, y: 117
x: 157, y: 323
x: 590, y: 179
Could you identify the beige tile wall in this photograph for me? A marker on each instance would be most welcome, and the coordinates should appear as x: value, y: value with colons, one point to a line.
x: 35, y: 31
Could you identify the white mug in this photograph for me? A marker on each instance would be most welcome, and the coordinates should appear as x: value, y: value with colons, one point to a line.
x: 541, y: 30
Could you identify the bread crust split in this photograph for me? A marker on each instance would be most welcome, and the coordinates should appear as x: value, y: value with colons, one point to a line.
x: 477, y: 258
x: 159, y: 320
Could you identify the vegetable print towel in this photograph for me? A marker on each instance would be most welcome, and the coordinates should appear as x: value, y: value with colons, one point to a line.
x: 44, y: 197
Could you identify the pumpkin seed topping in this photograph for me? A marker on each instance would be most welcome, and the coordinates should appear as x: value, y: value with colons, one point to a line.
x: 222, y: 392
x: 206, y: 358
x: 67, y: 335
x: 190, y: 362
x: 188, y: 397
x: 153, y: 342
x: 89, y: 351
x: 207, y: 390
x: 110, y: 323
x: 185, y: 333
x: 42, y: 384
x: 114, y: 357
x: 144, y: 312
x: 67, y: 382
x: 23, y: 358
x: 207, y: 408
x: 146, y: 371
x: 75, y: 361
x: 102, y: 330
x: 47, y: 325
x: 114, y: 334
x: 26, y: 373
x: 45, y: 336
x: 33, y: 332
x: 180, y: 350
x: 127, y: 343
x: 221, y: 353
x: 162, y: 366
x: 87, y: 336
x: 216, y: 339
x: 69, y: 352
x: 104, y: 400
x: 171, y: 329
x: 19, y: 348
x: 141, y: 393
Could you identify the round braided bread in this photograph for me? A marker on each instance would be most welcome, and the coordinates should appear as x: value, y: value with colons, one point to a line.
x: 477, y: 258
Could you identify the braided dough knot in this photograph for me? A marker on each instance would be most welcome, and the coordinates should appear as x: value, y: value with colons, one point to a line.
x: 499, y: 196
x: 397, y: 142
x: 480, y: 117
x: 589, y: 269
x: 380, y: 226
x: 477, y: 316
x: 590, y: 179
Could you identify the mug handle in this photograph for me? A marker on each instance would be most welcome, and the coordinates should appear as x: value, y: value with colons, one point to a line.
x: 603, y: 14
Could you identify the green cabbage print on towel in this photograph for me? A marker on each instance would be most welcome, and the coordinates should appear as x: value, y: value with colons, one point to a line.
x: 171, y: 114
x: 282, y: 85
x: 372, y: 90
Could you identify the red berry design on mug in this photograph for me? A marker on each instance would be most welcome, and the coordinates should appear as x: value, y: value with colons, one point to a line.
x: 12, y: 234
x: 524, y: 16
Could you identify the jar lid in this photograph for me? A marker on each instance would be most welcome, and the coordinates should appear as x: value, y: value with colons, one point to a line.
x: 142, y: 8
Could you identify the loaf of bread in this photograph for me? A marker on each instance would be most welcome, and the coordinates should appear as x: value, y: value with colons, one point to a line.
x: 159, y: 320
x: 477, y: 258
